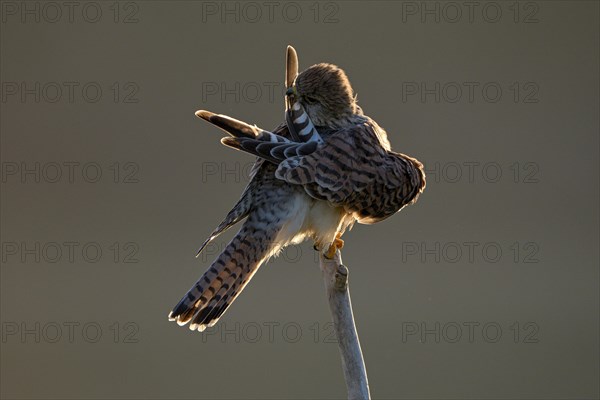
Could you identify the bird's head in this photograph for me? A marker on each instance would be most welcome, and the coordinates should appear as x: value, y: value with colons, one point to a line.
x: 325, y: 93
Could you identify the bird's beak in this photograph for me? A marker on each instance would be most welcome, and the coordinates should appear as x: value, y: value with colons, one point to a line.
x: 291, y: 91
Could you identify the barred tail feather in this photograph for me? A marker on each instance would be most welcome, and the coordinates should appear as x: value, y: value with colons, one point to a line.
x: 216, y: 290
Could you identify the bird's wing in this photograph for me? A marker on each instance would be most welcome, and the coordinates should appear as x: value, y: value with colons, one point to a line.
x: 238, y: 212
x: 244, y: 205
x: 271, y: 151
x: 351, y: 169
x: 240, y: 129
x: 300, y: 126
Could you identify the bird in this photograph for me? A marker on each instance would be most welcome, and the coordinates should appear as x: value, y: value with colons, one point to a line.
x: 325, y: 168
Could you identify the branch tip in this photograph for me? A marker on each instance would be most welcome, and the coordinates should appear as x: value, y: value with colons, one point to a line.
x: 341, y: 278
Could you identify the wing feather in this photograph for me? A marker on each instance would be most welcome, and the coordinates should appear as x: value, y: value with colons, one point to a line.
x: 352, y: 169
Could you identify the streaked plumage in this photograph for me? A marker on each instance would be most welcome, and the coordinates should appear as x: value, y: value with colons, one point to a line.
x: 327, y: 168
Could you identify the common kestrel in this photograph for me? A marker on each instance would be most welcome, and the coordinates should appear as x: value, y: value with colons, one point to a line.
x: 328, y: 167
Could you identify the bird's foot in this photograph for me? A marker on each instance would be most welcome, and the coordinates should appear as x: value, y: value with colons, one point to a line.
x: 337, y: 244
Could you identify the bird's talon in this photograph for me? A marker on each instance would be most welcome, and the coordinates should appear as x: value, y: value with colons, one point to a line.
x: 335, y: 246
x: 330, y: 251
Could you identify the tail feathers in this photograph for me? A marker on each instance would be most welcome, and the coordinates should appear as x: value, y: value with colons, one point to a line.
x: 231, y: 288
x: 216, y: 290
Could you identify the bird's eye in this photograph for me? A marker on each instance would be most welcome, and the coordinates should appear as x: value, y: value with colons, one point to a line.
x: 310, y: 100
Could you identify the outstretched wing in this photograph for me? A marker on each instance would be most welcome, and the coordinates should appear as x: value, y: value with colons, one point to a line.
x: 240, y: 129
x: 351, y: 169
x: 247, y: 134
x: 274, y: 152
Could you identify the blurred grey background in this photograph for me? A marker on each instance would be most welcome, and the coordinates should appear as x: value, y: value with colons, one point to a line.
x: 486, y: 288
